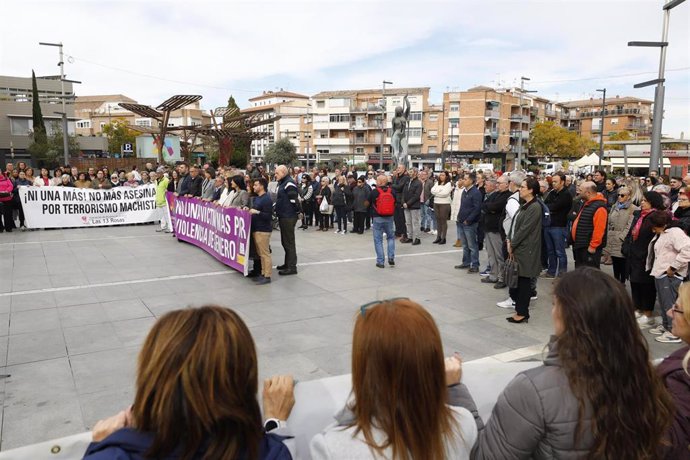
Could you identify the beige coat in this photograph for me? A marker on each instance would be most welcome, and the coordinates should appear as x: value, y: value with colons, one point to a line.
x: 619, y: 225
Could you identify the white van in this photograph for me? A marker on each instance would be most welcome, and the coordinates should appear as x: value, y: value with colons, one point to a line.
x: 550, y: 168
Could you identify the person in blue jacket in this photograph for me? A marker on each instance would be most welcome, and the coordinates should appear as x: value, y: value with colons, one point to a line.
x: 467, y: 222
x: 196, y: 386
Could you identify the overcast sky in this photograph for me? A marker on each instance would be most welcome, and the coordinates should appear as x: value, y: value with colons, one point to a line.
x: 150, y: 50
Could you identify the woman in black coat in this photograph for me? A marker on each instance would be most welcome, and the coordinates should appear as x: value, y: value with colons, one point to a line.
x: 635, y: 249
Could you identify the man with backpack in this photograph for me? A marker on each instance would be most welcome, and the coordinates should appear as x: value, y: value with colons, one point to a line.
x: 382, y: 200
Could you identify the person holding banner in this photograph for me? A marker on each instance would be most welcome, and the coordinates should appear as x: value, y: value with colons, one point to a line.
x: 6, y: 195
x: 161, y: 203
x: 262, y: 227
x: 101, y: 182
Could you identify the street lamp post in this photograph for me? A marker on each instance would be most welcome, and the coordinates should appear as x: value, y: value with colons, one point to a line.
x: 601, y: 132
x: 61, y: 64
x: 655, y: 155
x: 522, y: 91
x: 383, y: 123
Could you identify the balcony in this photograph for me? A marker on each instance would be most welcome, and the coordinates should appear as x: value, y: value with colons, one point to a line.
x: 533, y: 110
x: 373, y: 108
x: 636, y: 126
x: 491, y: 132
x: 491, y: 148
x: 550, y: 113
x: 516, y: 134
x: 332, y: 141
x: 607, y: 112
x: 596, y: 129
x: 516, y: 118
x: 492, y: 114
x: 573, y: 128
x: 358, y: 108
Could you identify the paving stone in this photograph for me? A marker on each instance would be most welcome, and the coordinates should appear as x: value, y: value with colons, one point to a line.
x: 34, y: 320
x: 36, y: 346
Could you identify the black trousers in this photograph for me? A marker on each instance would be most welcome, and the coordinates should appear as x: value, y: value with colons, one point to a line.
x: 367, y: 219
x: 399, y: 218
x: 521, y: 295
x: 358, y: 226
x: 620, y: 271
x: 584, y: 259
x: 308, y: 213
x: 287, y: 239
x: 643, y: 295
x: 6, y: 221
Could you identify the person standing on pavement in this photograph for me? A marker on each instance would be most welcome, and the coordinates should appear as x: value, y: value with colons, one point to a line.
x: 442, y: 196
x: 383, y: 205
x: 428, y: 223
x: 559, y: 201
x: 161, y: 203
x: 400, y: 181
x: 589, y: 229
x: 262, y: 214
x: 600, y: 181
x: 619, y: 222
x: 468, y: 219
x: 286, y: 208
x: 492, y: 209
x: 360, y: 204
x: 412, y: 194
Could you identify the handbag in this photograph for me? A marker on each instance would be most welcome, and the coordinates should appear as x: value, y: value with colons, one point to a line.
x: 323, y: 207
x: 510, y: 272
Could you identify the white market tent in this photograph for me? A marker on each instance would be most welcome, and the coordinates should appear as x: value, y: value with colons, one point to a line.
x: 590, y: 160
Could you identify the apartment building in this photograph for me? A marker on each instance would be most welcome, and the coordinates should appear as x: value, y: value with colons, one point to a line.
x: 294, y: 110
x: 485, y: 125
x: 354, y: 125
x: 620, y: 114
x: 16, y: 113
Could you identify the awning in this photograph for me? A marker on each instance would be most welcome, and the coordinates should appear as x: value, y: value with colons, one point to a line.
x: 636, y: 162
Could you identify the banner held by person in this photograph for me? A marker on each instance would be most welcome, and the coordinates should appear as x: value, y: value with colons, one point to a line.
x: 222, y: 232
x: 65, y: 207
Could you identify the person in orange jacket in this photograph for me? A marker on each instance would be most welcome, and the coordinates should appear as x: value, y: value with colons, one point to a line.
x: 589, y: 229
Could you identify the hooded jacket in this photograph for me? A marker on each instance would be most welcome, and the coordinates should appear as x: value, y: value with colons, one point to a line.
x: 677, y: 382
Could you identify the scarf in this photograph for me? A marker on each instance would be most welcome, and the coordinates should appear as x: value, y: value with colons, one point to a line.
x: 624, y: 205
x: 638, y: 224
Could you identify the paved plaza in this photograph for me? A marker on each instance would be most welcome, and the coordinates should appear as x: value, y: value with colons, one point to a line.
x: 76, y: 304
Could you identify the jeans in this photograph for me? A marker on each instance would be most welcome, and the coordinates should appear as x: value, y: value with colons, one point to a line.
x: 470, y: 250
x: 667, y: 293
x: 412, y: 219
x: 381, y: 225
x: 341, y: 217
x: 427, y: 217
x: 555, y: 238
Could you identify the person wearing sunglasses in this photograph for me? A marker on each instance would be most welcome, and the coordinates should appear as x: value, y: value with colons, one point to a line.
x: 682, y: 212
x: 407, y: 401
x: 674, y: 372
x: 597, y: 395
x: 620, y: 219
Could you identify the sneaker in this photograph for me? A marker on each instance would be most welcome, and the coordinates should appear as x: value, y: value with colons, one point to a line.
x: 489, y: 280
x: 22, y: 228
x: 391, y: 262
x: 533, y: 296
x: 547, y: 275
x: 380, y: 265
x: 337, y: 232
x: 473, y: 270
x: 485, y: 272
x: 667, y: 337
x: 508, y: 303
x: 500, y: 285
x: 646, y: 321
x: 638, y: 314
x: 659, y: 330
x: 434, y: 232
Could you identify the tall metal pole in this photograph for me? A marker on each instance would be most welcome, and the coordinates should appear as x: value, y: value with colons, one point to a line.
x: 522, y: 90
x: 601, y: 127
x: 655, y: 156
x: 65, y: 133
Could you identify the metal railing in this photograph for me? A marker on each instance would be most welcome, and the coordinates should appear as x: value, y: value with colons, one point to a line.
x: 492, y: 113
x: 491, y: 132
x: 607, y: 112
x: 491, y: 148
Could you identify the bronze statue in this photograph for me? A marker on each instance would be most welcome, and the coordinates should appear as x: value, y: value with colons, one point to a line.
x: 399, y: 137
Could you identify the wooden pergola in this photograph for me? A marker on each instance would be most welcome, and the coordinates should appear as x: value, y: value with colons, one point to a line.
x: 234, y: 126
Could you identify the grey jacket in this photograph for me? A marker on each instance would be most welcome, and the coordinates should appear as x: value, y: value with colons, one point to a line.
x: 339, y: 441
x: 535, y: 417
x: 525, y: 238
x: 619, y: 224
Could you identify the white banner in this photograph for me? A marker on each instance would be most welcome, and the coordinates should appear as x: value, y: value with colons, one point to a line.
x: 50, y: 207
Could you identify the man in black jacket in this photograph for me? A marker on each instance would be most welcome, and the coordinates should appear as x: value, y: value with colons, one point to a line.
x: 559, y: 201
x: 196, y: 182
x: 492, y: 214
x: 400, y: 181
x: 287, y: 208
x: 184, y: 181
x: 411, y: 205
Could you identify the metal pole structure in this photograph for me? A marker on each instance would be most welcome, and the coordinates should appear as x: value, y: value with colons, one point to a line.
x: 522, y: 90
x: 383, y: 123
x: 61, y: 64
x: 655, y: 156
x: 601, y: 127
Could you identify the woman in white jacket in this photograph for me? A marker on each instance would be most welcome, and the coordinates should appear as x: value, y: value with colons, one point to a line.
x: 441, y: 192
x: 407, y: 401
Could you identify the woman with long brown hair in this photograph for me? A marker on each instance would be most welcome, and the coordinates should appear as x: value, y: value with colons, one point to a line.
x: 196, y: 388
x: 597, y: 394
x: 401, y: 391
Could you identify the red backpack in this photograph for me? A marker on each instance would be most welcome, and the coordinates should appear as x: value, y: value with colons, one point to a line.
x: 385, y: 202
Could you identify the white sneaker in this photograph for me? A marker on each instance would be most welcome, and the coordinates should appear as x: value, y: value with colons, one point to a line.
x: 434, y: 232
x: 337, y: 232
x: 659, y: 330
x: 638, y: 314
x: 646, y: 321
x: 534, y: 297
x: 667, y: 337
x: 508, y: 303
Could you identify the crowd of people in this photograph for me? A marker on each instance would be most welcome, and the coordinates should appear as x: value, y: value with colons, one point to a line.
x: 597, y: 395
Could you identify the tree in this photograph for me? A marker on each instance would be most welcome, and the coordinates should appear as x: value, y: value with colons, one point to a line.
x: 619, y: 136
x: 40, y: 135
x: 282, y: 152
x: 548, y: 139
x: 239, y: 156
x: 45, y: 154
x: 55, y: 142
x: 118, y: 133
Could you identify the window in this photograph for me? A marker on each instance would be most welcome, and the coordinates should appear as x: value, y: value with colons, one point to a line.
x: 359, y: 150
x: 433, y: 133
x: 102, y: 124
x: 320, y: 104
x: 339, y: 102
x: 415, y: 132
x: 395, y: 101
x: 340, y: 118
x: 145, y: 122
x: 455, y: 107
x: 433, y: 117
x: 432, y: 149
x: 614, y: 121
x: 84, y: 124
x: 415, y: 116
x: 20, y: 126
x: 323, y: 150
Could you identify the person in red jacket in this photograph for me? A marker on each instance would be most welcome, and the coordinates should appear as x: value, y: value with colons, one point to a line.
x: 589, y: 229
x: 6, y: 195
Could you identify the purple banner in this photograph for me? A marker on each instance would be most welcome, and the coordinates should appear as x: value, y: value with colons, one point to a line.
x: 222, y: 232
